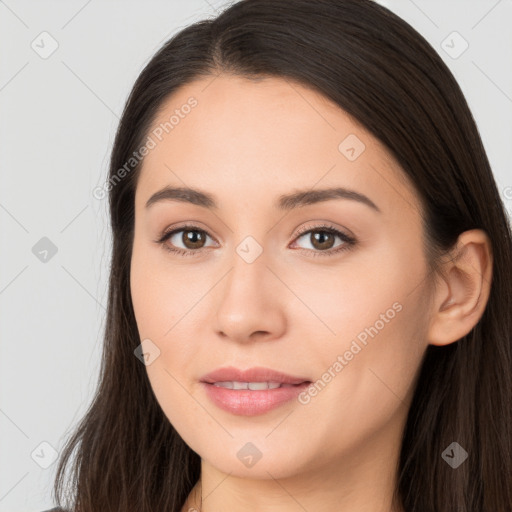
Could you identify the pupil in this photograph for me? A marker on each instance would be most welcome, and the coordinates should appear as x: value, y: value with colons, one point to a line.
x: 193, y: 237
x: 320, y: 239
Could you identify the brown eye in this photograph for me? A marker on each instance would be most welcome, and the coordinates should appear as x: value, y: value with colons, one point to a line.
x: 322, y: 240
x: 193, y: 239
x: 186, y: 240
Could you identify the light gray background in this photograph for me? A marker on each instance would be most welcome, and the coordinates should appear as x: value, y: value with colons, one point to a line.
x: 57, y: 123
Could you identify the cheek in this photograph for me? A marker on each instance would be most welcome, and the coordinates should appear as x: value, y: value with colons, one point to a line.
x: 162, y: 303
x: 363, y: 388
x: 373, y: 320
x: 158, y: 296
x: 158, y: 308
x: 368, y: 291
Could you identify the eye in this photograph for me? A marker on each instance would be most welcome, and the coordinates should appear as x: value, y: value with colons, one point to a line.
x: 192, y: 237
x: 322, y: 238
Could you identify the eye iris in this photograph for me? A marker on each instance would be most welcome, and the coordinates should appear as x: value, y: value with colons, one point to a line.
x: 192, y: 237
x: 320, y: 237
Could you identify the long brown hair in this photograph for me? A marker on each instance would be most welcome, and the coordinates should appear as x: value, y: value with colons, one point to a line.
x: 124, y: 454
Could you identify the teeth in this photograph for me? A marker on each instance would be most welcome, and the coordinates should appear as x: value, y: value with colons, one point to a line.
x: 254, y: 386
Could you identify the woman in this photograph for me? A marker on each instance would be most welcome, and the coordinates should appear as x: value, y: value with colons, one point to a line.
x: 241, y: 370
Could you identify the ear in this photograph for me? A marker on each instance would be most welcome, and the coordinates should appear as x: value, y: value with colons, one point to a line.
x: 463, y: 289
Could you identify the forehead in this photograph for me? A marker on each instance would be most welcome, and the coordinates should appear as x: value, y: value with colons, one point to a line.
x: 234, y: 135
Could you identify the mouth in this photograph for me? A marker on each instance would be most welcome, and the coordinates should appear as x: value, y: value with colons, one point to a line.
x: 255, y: 386
x: 251, y: 392
x: 256, y: 378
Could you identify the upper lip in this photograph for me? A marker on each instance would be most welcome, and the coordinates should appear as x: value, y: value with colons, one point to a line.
x: 255, y: 374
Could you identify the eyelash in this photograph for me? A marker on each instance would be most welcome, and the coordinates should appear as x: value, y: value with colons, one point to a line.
x: 349, y: 242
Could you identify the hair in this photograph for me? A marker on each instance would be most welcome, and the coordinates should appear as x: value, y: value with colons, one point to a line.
x: 124, y: 454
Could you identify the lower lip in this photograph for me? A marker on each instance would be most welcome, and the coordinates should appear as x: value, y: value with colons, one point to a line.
x: 250, y: 403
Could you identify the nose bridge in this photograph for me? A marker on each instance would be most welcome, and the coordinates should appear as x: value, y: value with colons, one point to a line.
x: 248, y: 301
x: 248, y: 271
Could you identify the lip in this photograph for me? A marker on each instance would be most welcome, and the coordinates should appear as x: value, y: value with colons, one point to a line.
x: 255, y: 374
x: 248, y: 402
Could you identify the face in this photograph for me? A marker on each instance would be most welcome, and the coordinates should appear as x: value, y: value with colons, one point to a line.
x: 330, y: 290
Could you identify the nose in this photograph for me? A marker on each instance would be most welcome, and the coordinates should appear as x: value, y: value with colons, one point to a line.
x: 251, y: 302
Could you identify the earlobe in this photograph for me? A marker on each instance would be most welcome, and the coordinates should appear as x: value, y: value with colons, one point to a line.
x: 464, y: 289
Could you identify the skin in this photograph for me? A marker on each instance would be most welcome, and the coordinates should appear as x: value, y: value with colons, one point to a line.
x: 247, y: 143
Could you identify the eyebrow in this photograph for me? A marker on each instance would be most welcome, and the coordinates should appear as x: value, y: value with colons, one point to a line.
x: 284, y: 202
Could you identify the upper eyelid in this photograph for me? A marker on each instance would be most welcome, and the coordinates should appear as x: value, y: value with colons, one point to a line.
x: 187, y: 227
x: 326, y: 227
